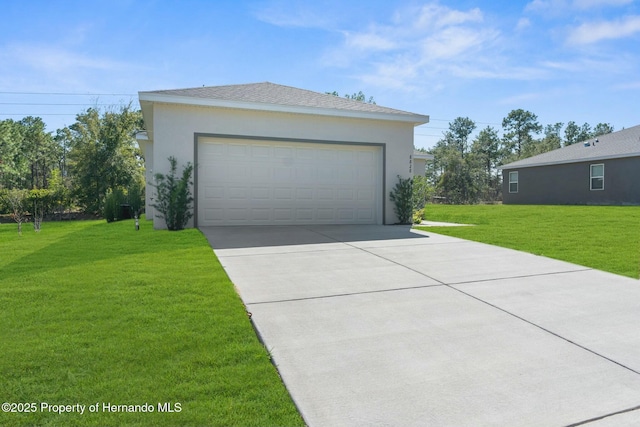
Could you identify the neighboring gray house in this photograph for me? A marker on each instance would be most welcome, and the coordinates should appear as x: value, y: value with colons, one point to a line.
x: 600, y: 171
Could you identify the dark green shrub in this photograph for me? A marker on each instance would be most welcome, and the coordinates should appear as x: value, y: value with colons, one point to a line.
x: 174, y: 199
x: 402, y: 197
x: 113, y: 204
x: 135, y: 198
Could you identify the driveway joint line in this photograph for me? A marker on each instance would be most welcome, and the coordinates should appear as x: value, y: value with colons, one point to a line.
x: 551, y: 273
x: 545, y: 330
x: 346, y: 294
x: 380, y: 256
x: 281, y: 253
x: 591, y: 420
x: 494, y: 306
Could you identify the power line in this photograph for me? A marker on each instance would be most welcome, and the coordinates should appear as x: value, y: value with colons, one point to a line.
x: 66, y: 93
x: 450, y: 120
x: 37, y: 115
x: 60, y: 104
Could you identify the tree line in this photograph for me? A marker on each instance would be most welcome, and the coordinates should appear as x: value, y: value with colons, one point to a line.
x: 465, y: 169
x: 76, y: 168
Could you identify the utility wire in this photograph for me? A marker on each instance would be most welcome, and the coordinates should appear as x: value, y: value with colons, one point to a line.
x: 67, y: 93
x: 59, y: 104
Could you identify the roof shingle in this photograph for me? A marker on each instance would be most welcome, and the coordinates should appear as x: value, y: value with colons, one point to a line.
x: 271, y: 93
x: 624, y: 143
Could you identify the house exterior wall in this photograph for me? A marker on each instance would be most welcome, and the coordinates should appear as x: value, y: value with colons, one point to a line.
x: 419, y: 167
x: 569, y: 184
x: 174, y: 128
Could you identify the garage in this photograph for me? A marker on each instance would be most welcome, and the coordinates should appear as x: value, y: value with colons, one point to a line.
x: 269, y: 154
x: 259, y: 181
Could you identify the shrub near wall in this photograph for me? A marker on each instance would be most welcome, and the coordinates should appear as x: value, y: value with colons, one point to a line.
x: 174, y: 196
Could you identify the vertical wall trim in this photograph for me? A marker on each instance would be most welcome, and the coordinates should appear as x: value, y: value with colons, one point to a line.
x: 195, y: 180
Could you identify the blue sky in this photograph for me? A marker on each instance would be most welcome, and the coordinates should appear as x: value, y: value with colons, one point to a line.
x: 561, y: 59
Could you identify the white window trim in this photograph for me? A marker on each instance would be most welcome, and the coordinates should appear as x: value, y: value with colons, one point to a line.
x: 516, y: 181
x: 591, y: 176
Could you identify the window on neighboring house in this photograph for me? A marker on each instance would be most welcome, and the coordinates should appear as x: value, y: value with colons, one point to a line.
x: 597, y: 177
x: 513, y: 182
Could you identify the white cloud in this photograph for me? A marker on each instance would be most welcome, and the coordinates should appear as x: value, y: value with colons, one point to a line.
x: 38, y: 66
x: 288, y: 15
x: 433, y: 17
x: 560, y: 7
x: 523, y: 23
x: 520, y: 98
x: 50, y: 58
x: 417, y: 43
x: 593, y: 32
x: 547, y: 6
x: 634, y: 85
x: 453, y: 42
x: 368, y: 41
x: 588, y: 4
x: 397, y: 75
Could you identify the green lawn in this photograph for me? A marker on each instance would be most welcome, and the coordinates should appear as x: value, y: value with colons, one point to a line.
x: 602, y: 237
x: 99, y: 313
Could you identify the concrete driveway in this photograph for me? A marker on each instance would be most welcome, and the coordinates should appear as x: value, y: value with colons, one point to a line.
x: 385, y: 326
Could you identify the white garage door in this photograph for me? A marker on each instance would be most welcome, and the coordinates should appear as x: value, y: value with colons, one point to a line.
x: 251, y: 182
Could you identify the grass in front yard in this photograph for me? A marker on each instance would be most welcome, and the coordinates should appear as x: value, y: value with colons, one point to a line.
x: 602, y: 237
x: 99, y: 313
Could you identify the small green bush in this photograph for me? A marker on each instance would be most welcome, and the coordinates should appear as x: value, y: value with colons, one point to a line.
x: 418, y: 216
x: 113, y: 205
x: 122, y: 203
x: 135, y: 198
x: 402, y: 197
x: 174, y: 196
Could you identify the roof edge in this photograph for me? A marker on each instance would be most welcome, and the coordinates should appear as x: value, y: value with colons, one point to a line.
x: 416, y: 119
x: 593, y: 159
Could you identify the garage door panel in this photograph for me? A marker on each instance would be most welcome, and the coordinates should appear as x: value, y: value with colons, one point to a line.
x: 287, y: 183
x: 214, y: 214
x: 282, y: 174
x: 365, y: 195
x: 260, y: 214
x: 283, y: 193
x: 283, y: 214
x: 211, y: 192
x: 345, y: 194
x: 305, y: 154
x: 238, y: 193
x: 304, y: 175
x: 283, y: 152
x: 260, y: 151
x: 324, y: 194
x: 261, y: 193
x: 325, y: 214
x: 237, y: 150
x: 304, y: 193
x: 260, y: 173
x: 304, y: 214
x: 346, y: 214
x: 365, y: 214
x: 325, y: 175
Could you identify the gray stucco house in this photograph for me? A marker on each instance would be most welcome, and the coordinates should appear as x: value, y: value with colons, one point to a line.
x: 600, y: 171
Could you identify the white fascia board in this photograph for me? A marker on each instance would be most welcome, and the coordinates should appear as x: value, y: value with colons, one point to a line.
x: 147, y: 117
x: 423, y: 156
x: 142, y: 135
x: 591, y: 159
x: 416, y: 119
